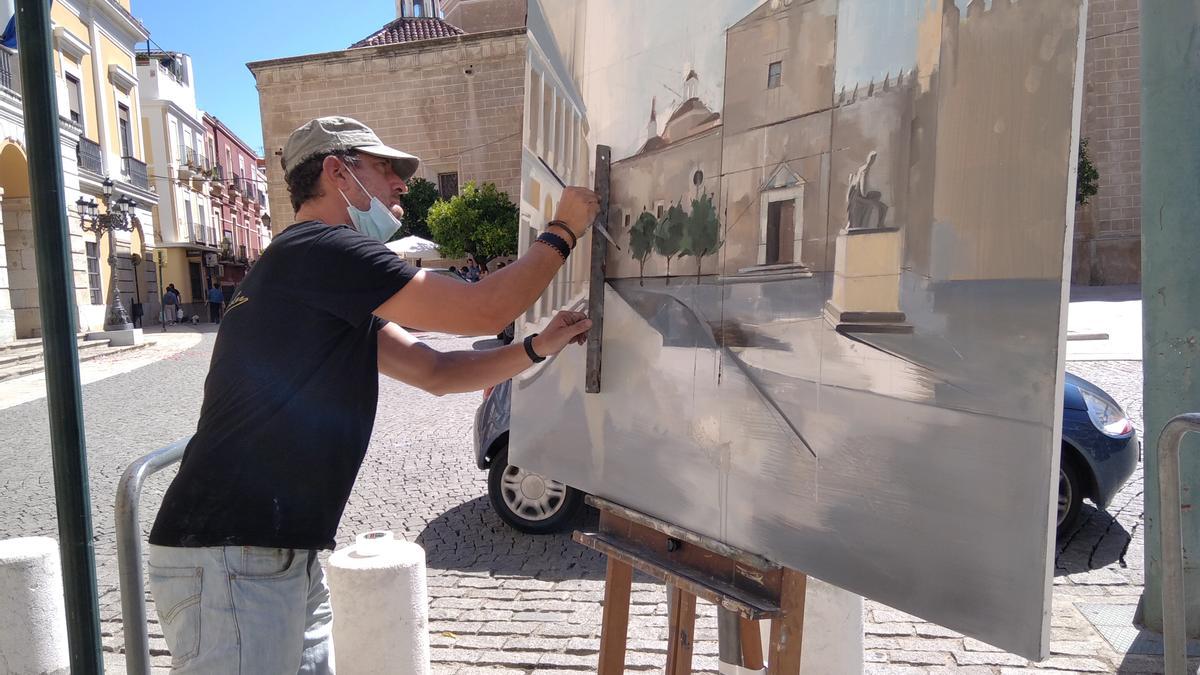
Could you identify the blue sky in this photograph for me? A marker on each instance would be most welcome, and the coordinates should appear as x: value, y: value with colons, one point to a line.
x: 223, y: 35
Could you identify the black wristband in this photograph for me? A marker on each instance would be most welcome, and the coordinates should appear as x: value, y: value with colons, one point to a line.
x: 556, y: 242
x: 563, y: 225
x: 533, y: 356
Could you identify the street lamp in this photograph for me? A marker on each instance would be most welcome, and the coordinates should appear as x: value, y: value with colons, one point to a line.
x: 159, y: 255
x: 117, y: 216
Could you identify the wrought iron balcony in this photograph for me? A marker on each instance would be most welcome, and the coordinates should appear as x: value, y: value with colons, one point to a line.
x: 7, y: 70
x: 135, y: 171
x: 90, y: 157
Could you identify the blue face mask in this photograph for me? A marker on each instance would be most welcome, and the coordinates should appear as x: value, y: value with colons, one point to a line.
x: 377, y: 222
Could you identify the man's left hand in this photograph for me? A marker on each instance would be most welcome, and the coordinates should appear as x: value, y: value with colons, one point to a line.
x: 564, y: 329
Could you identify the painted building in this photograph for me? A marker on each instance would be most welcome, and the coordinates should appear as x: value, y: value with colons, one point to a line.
x: 554, y: 152
x: 102, y: 137
x: 452, y: 98
x: 181, y: 167
x: 798, y: 156
x: 239, y: 202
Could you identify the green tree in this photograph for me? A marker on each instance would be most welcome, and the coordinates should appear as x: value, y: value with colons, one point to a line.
x: 479, y: 221
x: 702, y: 234
x: 641, y: 240
x: 668, y: 235
x: 1088, y: 183
x: 416, y: 202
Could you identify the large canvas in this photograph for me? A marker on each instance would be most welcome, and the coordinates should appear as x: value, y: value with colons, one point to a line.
x: 833, y: 330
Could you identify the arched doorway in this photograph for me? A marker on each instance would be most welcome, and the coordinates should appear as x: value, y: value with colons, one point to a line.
x: 20, y: 315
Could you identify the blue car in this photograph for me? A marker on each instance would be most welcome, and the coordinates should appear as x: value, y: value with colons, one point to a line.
x: 1099, y: 452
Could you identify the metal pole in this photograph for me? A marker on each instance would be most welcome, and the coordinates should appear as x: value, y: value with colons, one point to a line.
x: 1170, y: 132
x: 1170, y: 509
x: 56, y: 293
x: 117, y: 318
x: 162, y: 291
x: 129, y: 554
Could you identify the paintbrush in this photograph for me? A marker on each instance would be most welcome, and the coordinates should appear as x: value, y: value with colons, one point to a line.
x: 597, y: 225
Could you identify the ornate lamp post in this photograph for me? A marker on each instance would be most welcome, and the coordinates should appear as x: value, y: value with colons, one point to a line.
x: 162, y: 308
x: 117, y: 216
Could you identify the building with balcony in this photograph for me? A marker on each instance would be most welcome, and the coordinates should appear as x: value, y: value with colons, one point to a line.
x: 182, y: 168
x: 101, y: 138
x: 239, y: 203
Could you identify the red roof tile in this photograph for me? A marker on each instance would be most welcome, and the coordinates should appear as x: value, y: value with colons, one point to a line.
x: 407, y: 29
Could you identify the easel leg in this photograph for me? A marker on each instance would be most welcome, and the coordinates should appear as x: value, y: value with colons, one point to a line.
x: 617, y: 586
x: 680, y: 629
x: 752, y: 656
x: 787, y: 632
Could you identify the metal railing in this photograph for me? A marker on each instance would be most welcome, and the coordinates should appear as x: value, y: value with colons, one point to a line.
x: 129, y: 554
x: 6, y: 70
x: 1174, y: 606
x: 90, y: 157
x: 135, y: 169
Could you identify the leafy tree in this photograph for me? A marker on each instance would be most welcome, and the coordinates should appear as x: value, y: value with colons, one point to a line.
x: 1088, y: 183
x: 668, y: 235
x: 421, y: 195
x: 702, y: 234
x: 480, y: 221
x: 641, y: 240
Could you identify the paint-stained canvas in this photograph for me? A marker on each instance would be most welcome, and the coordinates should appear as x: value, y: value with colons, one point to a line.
x: 833, y: 329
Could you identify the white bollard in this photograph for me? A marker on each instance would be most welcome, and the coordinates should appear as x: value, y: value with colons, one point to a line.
x: 380, y: 607
x: 33, y: 619
x: 833, y: 630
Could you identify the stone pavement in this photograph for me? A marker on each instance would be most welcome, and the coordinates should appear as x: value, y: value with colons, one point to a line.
x: 505, y: 602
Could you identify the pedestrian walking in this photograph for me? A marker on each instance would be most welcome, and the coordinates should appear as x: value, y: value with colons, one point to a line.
x: 290, y: 399
x: 170, y: 304
x: 216, y: 299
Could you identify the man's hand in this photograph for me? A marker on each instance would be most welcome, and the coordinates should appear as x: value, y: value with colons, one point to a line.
x: 577, y: 208
x: 564, y: 329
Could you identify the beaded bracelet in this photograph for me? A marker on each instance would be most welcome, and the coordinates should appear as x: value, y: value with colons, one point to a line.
x: 555, y: 242
x: 563, y: 225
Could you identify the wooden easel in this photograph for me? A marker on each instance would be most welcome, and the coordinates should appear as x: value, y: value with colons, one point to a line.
x: 694, y: 566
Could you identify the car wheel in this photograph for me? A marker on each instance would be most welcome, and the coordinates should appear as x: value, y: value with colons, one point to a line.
x: 530, y: 502
x: 1070, y: 494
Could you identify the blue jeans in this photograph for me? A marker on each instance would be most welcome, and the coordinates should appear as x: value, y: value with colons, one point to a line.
x: 243, y: 609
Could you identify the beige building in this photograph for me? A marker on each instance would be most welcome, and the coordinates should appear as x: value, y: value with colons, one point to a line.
x: 481, y: 16
x: 454, y: 99
x: 101, y: 139
x: 1108, y: 230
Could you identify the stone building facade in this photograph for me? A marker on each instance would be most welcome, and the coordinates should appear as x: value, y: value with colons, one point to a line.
x: 1108, y: 230
x: 456, y: 102
x: 477, y: 16
x: 101, y: 130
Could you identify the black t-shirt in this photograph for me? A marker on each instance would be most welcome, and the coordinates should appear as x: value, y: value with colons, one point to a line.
x: 289, y: 402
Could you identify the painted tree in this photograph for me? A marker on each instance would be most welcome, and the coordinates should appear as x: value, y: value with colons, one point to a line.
x: 641, y: 241
x: 668, y: 235
x: 702, y: 234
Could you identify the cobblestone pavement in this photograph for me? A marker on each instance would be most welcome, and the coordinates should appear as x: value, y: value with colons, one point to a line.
x: 505, y: 602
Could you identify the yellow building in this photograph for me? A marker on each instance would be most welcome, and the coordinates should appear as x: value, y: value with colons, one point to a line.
x: 101, y: 140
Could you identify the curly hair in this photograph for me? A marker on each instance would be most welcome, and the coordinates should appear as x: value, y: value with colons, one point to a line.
x: 304, y: 179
